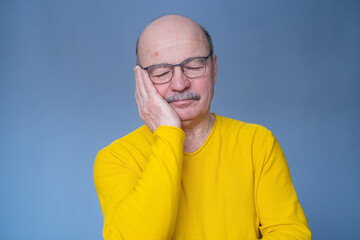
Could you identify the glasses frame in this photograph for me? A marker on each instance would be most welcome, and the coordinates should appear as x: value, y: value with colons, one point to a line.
x: 175, y: 65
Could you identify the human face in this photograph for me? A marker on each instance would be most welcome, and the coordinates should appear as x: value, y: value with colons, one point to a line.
x: 190, y: 98
x: 173, y: 48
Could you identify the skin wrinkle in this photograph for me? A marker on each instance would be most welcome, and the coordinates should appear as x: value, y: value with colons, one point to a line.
x: 204, y: 34
x: 173, y: 40
x: 169, y: 45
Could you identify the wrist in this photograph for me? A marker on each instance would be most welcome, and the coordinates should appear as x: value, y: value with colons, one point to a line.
x: 170, y: 132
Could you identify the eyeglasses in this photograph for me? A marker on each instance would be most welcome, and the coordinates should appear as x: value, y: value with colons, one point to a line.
x: 192, y: 68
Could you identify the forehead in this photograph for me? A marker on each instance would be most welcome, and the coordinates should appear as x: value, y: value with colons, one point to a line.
x: 170, y: 41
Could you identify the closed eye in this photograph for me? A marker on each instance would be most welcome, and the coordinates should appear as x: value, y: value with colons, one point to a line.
x: 194, y: 68
x: 161, y: 75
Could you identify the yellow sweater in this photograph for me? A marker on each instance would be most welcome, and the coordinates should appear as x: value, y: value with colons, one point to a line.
x: 236, y: 186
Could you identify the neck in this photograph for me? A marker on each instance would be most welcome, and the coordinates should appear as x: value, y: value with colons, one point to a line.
x: 197, y: 133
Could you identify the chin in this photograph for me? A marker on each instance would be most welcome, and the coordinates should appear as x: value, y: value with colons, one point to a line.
x: 188, y: 115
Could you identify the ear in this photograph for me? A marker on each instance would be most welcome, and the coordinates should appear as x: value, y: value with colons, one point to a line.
x: 214, y: 66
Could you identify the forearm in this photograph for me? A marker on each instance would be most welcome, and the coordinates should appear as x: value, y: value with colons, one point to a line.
x: 287, y: 231
x: 148, y: 210
x: 280, y: 213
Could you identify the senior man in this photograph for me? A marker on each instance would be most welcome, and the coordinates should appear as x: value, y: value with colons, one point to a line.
x: 188, y: 173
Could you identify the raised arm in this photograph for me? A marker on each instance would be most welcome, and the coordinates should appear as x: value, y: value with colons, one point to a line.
x: 141, y: 202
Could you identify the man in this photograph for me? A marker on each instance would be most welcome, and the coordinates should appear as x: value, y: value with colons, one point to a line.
x: 188, y: 173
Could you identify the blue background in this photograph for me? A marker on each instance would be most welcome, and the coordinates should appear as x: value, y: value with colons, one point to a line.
x: 67, y: 90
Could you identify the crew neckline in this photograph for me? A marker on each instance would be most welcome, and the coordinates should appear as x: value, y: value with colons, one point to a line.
x: 206, y: 141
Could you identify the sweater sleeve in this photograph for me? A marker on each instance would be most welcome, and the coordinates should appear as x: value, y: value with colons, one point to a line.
x: 141, y: 206
x: 280, y: 213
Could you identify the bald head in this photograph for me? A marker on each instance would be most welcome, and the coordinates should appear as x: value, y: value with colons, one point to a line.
x: 168, y: 32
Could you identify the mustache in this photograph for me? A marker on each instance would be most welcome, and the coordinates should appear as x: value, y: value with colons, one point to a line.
x: 183, y: 96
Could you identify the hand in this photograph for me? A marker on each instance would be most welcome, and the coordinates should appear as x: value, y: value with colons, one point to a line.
x: 153, y: 109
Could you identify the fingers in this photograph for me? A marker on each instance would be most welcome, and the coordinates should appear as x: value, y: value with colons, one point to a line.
x: 144, y: 81
x: 144, y: 86
x: 148, y: 84
x: 138, y: 81
x: 137, y: 88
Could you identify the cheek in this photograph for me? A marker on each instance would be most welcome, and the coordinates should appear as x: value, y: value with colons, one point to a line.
x: 206, y: 89
x: 162, y: 89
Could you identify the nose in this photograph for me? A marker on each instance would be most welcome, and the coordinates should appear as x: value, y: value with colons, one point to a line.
x: 179, y: 81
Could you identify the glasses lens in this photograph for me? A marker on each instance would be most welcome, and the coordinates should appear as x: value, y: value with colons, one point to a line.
x: 160, y: 73
x: 195, y: 67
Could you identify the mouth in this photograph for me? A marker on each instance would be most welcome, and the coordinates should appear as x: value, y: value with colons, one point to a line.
x: 182, y: 100
x: 182, y: 103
